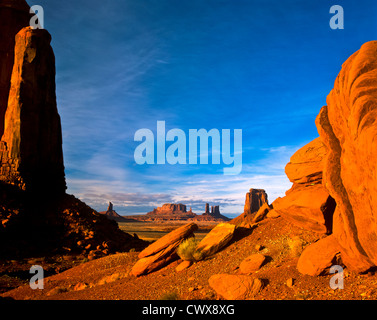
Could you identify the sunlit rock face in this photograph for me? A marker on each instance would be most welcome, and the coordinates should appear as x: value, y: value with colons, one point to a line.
x: 31, y: 144
x: 14, y: 15
x: 348, y: 128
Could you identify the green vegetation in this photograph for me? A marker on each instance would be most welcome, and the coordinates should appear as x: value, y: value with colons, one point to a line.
x: 169, y: 296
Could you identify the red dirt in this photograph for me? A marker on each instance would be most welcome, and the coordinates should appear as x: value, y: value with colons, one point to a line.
x: 108, y: 277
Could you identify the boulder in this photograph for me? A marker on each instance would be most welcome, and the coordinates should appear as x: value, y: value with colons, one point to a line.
x: 154, y: 262
x: 307, y: 204
x: 252, y: 263
x: 306, y: 165
x: 309, y: 207
x: 216, y: 239
x: 317, y: 258
x: 163, y: 251
x: 183, y: 265
x: 175, y: 237
x: 262, y: 213
x: 235, y: 287
x: 348, y: 128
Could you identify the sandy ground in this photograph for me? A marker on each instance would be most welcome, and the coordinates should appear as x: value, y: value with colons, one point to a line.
x: 108, y: 277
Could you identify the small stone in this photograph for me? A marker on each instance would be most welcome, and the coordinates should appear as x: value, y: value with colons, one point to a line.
x: 183, y: 265
x: 80, y: 286
x: 252, y: 263
x: 290, y: 282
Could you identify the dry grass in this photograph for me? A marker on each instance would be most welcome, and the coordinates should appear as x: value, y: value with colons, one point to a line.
x: 187, y: 250
x: 296, y: 246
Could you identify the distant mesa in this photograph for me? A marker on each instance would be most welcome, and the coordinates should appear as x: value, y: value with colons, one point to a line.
x: 170, y: 209
x: 178, y: 212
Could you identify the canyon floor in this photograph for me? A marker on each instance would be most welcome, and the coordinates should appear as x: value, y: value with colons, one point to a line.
x: 108, y: 277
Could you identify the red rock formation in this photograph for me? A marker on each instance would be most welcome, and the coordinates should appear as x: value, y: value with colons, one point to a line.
x: 216, y: 239
x: 31, y: 146
x: 169, y: 208
x: 43, y: 219
x: 307, y: 204
x: 317, y: 258
x: 256, y: 206
x: 111, y: 214
x: 214, y: 215
x: 14, y: 15
x: 255, y: 198
x: 348, y: 128
x: 163, y: 251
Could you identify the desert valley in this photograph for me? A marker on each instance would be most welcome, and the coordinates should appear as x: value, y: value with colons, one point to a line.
x: 283, y: 250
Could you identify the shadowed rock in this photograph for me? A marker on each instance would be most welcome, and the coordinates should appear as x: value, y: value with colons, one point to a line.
x: 31, y: 146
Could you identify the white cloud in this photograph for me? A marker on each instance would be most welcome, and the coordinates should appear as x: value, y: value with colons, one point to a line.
x: 129, y: 188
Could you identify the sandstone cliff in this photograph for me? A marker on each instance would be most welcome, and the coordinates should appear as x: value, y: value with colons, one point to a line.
x: 36, y: 215
x: 14, y: 15
x: 31, y: 146
x: 343, y: 202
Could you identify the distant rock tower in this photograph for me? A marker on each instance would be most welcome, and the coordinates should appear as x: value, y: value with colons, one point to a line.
x: 215, y: 210
x: 255, y: 198
x: 206, y: 209
x: 31, y: 144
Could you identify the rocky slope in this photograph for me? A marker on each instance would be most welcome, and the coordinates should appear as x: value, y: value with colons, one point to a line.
x: 277, y: 239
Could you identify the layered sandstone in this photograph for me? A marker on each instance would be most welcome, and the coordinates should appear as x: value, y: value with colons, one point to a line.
x: 163, y: 251
x: 255, y: 209
x: 31, y: 146
x: 178, y: 212
x: 169, y: 208
x: 255, y: 198
x: 214, y: 215
x: 14, y: 15
x: 348, y: 128
x: 307, y: 204
x: 37, y: 217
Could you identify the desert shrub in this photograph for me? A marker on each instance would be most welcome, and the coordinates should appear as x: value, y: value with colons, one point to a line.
x: 296, y: 245
x: 187, y: 250
x: 169, y: 296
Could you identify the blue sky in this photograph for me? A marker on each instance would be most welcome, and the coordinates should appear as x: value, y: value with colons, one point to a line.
x: 263, y: 66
